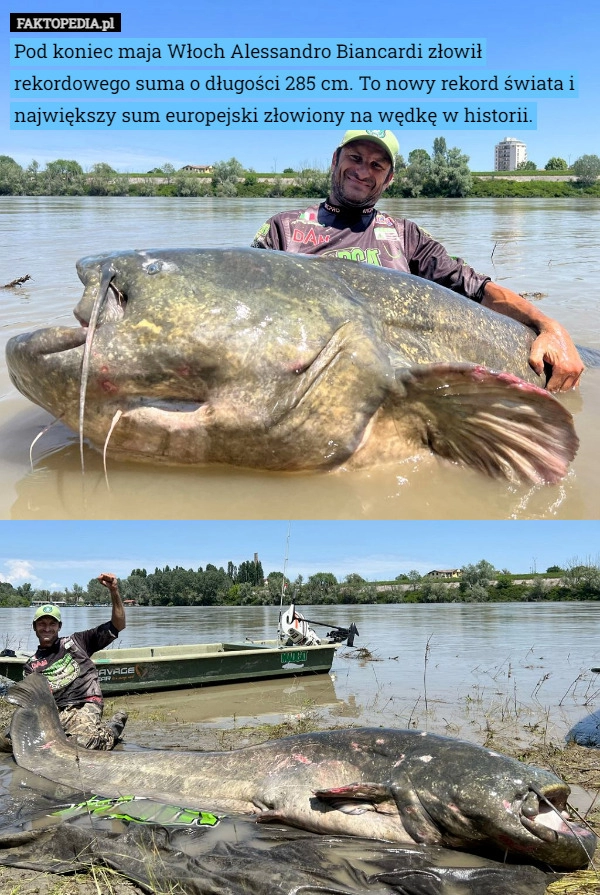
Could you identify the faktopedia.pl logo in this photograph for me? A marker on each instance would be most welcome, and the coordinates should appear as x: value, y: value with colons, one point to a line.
x: 65, y: 22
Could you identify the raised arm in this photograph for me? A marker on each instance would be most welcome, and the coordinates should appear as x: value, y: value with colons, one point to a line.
x: 118, y: 611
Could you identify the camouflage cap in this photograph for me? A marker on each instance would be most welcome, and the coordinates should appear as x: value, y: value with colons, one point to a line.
x: 385, y: 139
x: 47, y: 609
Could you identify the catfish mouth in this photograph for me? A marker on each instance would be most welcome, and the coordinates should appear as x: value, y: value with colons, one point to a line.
x: 544, y: 814
x: 60, y: 339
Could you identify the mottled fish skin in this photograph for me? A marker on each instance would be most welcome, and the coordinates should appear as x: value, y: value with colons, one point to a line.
x: 267, y: 360
x: 398, y: 785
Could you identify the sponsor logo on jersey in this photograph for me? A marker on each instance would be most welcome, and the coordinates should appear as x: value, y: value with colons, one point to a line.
x: 354, y: 253
x: 309, y: 237
x: 388, y: 233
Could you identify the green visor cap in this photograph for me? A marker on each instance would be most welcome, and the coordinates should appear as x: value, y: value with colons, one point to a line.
x: 385, y: 139
x: 47, y: 609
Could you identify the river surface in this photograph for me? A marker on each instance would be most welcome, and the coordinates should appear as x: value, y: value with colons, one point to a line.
x: 532, y: 246
x: 513, y: 671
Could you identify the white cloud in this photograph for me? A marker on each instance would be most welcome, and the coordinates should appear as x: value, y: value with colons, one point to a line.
x: 18, y: 571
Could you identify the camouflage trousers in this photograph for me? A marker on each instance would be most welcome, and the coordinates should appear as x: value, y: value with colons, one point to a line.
x: 86, y: 726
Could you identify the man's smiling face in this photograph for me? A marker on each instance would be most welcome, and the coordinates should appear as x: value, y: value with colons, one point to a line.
x: 361, y: 171
x: 47, y: 629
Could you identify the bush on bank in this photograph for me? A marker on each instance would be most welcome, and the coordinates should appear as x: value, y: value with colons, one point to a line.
x: 246, y: 584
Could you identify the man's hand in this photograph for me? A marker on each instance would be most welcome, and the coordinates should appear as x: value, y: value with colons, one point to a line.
x: 109, y: 580
x: 553, y: 346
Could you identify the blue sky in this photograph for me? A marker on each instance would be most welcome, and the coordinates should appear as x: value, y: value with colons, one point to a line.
x: 59, y: 554
x: 529, y: 37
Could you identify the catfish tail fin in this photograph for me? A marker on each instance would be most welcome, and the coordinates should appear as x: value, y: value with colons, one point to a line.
x: 35, y: 723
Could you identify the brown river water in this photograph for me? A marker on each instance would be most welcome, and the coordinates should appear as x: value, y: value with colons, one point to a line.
x: 460, y: 669
x: 542, y: 246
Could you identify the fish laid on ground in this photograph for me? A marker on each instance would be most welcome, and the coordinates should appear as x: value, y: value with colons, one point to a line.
x: 396, y: 785
x: 272, y: 361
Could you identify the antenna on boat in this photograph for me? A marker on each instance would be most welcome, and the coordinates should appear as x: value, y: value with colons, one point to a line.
x: 285, y: 563
x: 280, y: 632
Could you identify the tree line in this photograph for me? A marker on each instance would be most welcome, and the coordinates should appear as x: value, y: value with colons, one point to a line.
x: 443, y: 172
x: 246, y: 585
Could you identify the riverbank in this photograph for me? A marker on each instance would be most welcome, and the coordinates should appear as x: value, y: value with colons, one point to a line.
x: 577, y: 765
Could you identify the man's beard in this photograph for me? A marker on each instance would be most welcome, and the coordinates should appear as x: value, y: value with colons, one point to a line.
x: 339, y: 197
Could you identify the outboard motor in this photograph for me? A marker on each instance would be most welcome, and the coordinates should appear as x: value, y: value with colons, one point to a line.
x: 339, y: 635
x: 294, y: 629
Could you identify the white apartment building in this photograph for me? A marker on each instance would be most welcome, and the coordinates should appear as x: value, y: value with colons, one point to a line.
x: 509, y: 154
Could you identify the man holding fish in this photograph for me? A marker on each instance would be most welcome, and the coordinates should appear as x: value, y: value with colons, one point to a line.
x: 347, y: 225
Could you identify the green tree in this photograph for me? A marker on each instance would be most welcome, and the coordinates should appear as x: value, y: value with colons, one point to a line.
x: 451, y: 175
x: 252, y: 572
x: 97, y: 593
x: 136, y: 587
x: 278, y: 588
x: 527, y: 166
x: 354, y: 578
x: 104, y: 180
x: 444, y: 173
x: 587, y: 169
x: 168, y: 170
x: 186, y: 185
x: 143, y: 187
x: 477, y: 593
x: 64, y: 177
x: 33, y: 180
x: 418, y: 171
x: 583, y: 579
x: 414, y: 578
x: 11, y: 177
x: 556, y: 164
x: 320, y: 588
x: 432, y: 592
x: 311, y: 182
x: 225, y: 177
x: 538, y: 591
x: 475, y: 580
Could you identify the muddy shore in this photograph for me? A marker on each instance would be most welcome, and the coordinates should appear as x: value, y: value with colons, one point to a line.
x: 578, y: 766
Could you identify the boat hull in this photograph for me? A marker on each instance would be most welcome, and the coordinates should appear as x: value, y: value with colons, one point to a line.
x: 143, y: 669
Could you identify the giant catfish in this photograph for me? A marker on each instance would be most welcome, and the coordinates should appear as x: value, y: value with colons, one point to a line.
x: 273, y: 361
x: 398, y: 785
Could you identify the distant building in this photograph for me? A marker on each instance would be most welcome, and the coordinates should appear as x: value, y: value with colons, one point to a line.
x: 198, y: 169
x: 444, y: 573
x: 509, y: 154
x: 36, y: 603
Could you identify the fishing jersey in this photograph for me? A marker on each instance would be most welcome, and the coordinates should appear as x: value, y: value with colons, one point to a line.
x: 374, y: 237
x: 68, y: 668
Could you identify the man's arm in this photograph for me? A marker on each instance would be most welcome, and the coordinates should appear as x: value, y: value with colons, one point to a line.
x: 553, y: 344
x: 118, y: 610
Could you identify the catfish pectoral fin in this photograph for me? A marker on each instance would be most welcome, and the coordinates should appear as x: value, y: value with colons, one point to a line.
x: 493, y: 422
